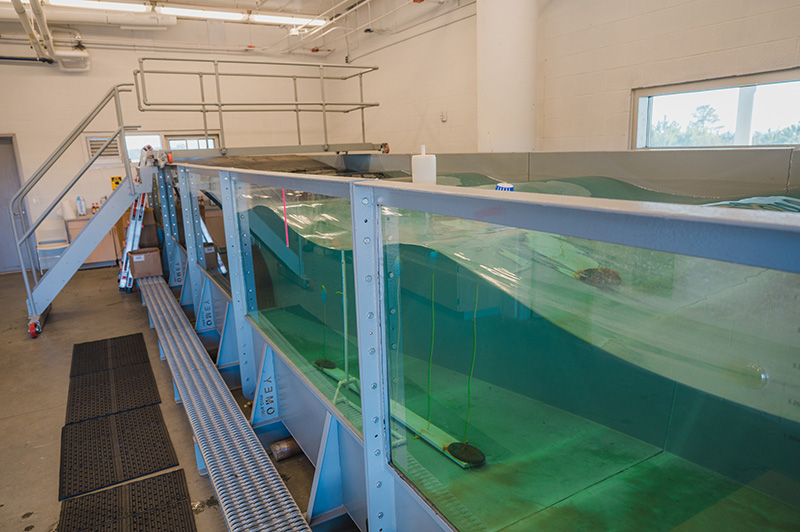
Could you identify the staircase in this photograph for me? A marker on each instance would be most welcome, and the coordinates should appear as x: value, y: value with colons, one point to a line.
x: 42, y: 291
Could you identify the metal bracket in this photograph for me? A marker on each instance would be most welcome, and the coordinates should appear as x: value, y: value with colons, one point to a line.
x: 265, y: 403
x: 326, y: 489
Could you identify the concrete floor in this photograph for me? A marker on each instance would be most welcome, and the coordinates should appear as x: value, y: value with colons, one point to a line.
x: 34, y: 381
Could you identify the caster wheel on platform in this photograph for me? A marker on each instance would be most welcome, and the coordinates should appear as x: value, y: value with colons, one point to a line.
x: 32, y: 330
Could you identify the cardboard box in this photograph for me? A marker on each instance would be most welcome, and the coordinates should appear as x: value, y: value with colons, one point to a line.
x: 145, y: 262
x: 211, y: 256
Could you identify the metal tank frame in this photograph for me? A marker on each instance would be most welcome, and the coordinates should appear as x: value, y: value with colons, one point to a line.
x: 353, y: 472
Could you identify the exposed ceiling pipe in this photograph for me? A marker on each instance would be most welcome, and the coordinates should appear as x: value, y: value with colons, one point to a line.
x: 77, y: 60
x: 322, y: 16
x: 21, y: 14
x: 26, y: 59
x: 72, y: 16
x: 362, y: 26
x: 124, y: 44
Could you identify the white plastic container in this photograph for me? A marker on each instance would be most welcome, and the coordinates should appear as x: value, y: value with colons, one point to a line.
x: 423, y: 168
x: 80, y: 206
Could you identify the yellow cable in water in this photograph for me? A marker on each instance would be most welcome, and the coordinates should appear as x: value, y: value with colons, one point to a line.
x: 430, y: 358
x: 474, y: 352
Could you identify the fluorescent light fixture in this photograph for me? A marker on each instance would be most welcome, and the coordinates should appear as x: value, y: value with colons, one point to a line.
x: 202, y: 13
x: 105, y: 6
x: 287, y: 20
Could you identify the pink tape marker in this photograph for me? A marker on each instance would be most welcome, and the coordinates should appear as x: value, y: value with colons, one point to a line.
x: 285, y: 218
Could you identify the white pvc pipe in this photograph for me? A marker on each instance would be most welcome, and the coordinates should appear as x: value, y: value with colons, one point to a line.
x: 65, y: 16
x: 41, y: 22
x: 68, y: 60
x: 33, y: 37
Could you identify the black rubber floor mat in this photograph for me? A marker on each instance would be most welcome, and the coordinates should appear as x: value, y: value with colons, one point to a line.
x: 108, y: 450
x: 157, y: 503
x: 111, y: 353
x: 109, y: 392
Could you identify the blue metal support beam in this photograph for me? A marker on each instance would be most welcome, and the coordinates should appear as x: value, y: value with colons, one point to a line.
x: 169, y: 219
x: 373, y: 367
x: 240, y: 271
x: 326, y: 501
x: 228, y: 352
x: 177, y: 269
x: 206, y: 320
x: 193, y: 237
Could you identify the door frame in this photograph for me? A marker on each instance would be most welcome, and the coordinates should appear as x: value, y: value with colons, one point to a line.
x: 20, y: 183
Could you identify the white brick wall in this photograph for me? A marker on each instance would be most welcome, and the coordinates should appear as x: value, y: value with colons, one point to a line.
x: 425, y: 69
x: 593, y: 53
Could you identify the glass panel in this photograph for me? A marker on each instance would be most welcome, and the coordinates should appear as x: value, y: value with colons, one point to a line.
x: 776, y: 114
x: 764, y: 114
x: 705, y: 118
x: 177, y: 144
x: 211, y: 144
x: 191, y: 144
x: 206, y: 187
x: 541, y: 382
x: 202, y: 143
x: 302, y: 263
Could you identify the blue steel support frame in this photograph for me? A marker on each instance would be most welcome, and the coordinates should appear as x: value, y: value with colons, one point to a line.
x: 265, y: 403
x: 177, y: 269
x: 240, y: 273
x: 206, y: 320
x: 242, y: 344
x: 761, y: 239
x: 326, y: 501
x: 228, y: 352
x: 169, y: 219
x: 373, y: 367
x: 193, y: 237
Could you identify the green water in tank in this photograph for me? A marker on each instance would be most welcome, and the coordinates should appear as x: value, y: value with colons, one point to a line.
x: 608, y: 388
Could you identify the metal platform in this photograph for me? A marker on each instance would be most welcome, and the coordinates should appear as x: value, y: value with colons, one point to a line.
x: 251, y: 493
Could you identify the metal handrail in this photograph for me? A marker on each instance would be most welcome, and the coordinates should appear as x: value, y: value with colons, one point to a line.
x: 67, y: 188
x: 216, y: 104
x: 15, y: 205
x: 80, y: 128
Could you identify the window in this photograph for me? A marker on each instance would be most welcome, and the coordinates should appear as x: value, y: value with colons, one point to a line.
x: 747, y: 113
x: 192, y: 142
x: 135, y: 143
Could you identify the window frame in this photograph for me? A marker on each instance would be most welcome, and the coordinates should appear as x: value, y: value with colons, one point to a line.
x: 642, y: 112
x: 142, y: 134
x: 191, y: 136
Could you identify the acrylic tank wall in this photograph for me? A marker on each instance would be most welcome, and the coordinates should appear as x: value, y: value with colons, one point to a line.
x: 542, y: 381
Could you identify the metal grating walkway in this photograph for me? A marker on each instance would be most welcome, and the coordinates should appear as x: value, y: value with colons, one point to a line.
x: 250, y: 491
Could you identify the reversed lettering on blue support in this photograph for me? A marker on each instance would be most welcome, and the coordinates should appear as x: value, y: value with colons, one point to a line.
x: 266, y: 399
x: 178, y: 269
x: 208, y: 314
